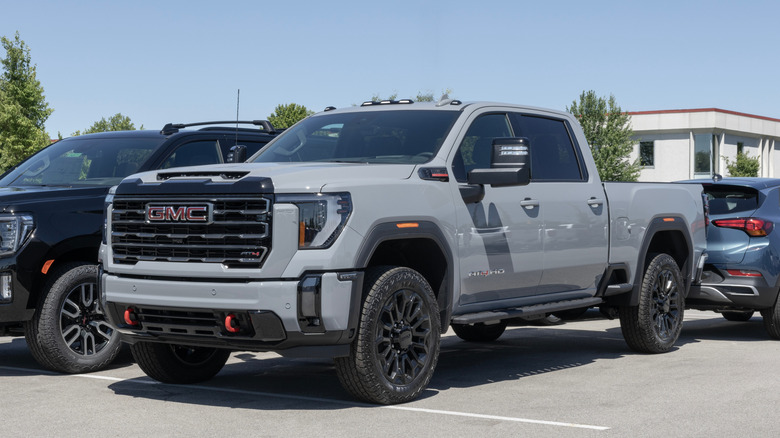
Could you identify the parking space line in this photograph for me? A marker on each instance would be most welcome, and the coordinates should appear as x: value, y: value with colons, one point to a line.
x: 322, y: 400
x: 496, y: 417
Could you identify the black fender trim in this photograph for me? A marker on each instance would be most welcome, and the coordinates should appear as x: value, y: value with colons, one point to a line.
x: 399, y: 230
x: 657, y: 225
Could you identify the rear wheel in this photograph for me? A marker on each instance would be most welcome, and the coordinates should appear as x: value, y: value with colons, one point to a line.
x: 737, y: 316
x: 170, y: 363
x: 479, y: 332
x: 397, y: 346
x: 654, y: 325
x: 772, y: 319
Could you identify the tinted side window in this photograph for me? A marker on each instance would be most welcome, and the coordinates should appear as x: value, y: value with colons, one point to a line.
x: 475, y: 149
x: 553, y: 155
x: 252, y: 146
x: 194, y: 154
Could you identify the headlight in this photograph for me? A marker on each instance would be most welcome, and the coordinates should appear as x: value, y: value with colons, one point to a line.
x: 15, y: 229
x: 321, y: 217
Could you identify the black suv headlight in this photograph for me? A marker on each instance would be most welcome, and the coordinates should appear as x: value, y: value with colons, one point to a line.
x: 15, y: 230
x: 321, y: 217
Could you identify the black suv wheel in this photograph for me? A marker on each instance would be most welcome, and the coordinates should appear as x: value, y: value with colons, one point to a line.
x: 70, y: 333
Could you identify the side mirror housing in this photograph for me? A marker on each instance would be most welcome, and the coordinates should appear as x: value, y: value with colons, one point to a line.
x: 237, y: 154
x: 510, y: 164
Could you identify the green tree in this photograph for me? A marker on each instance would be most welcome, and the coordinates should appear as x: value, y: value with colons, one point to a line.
x: 609, y: 134
x: 287, y: 115
x: 23, y: 107
x: 117, y: 122
x: 743, y: 165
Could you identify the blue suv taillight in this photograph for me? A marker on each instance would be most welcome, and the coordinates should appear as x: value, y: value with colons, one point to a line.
x: 753, y: 226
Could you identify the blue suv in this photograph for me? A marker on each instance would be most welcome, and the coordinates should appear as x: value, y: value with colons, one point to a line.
x: 743, y: 266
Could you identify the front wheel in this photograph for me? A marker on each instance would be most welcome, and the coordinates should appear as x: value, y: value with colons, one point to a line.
x: 654, y: 325
x: 69, y: 332
x: 772, y: 319
x: 170, y: 363
x: 397, y: 346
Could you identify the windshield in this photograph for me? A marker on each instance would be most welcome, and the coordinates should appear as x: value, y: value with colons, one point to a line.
x: 82, y: 161
x: 396, y: 137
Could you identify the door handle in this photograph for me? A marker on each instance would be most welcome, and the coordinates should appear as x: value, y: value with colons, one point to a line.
x: 593, y: 202
x: 529, y: 203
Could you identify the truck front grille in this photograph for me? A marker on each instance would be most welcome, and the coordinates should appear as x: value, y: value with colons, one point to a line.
x: 233, y: 231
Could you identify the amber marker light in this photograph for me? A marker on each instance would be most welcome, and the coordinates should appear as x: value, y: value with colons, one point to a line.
x: 46, y: 266
x: 407, y: 225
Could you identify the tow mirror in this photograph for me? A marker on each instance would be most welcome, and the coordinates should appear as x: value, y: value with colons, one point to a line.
x: 510, y: 164
x: 237, y: 154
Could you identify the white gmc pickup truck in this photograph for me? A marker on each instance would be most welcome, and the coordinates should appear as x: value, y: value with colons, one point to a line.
x: 363, y: 233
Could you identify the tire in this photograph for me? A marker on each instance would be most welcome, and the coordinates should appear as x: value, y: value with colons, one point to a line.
x: 654, y: 325
x: 479, y: 332
x: 69, y: 332
x: 169, y: 363
x: 738, y: 316
x: 772, y: 319
x: 397, y: 345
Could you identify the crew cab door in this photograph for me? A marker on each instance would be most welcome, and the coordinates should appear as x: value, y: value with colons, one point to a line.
x: 572, y: 203
x: 499, y: 235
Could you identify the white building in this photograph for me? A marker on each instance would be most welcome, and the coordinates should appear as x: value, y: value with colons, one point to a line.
x: 695, y: 143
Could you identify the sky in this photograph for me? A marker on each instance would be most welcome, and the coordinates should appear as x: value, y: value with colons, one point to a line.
x: 176, y: 61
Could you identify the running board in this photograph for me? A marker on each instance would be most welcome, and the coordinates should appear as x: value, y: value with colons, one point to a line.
x: 538, y: 309
x: 617, y: 289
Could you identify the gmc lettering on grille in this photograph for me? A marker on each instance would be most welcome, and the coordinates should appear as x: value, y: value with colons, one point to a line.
x: 183, y: 213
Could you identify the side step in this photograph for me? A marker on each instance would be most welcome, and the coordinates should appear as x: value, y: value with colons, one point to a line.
x: 537, y: 309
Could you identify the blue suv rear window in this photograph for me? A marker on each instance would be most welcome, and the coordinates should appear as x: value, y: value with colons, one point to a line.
x: 731, y: 199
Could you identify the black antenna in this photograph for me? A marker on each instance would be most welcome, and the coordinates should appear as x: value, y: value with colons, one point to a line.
x: 238, y: 100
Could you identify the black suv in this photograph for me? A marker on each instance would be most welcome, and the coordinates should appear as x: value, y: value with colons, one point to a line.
x: 51, y: 221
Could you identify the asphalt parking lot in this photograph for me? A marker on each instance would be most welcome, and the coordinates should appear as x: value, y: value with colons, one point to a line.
x: 578, y: 379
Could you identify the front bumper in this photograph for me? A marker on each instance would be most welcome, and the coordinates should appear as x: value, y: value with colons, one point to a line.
x: 317, y: 310
x: 14, y: 309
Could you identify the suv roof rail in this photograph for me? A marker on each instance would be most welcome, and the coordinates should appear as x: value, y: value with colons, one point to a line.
x: 172, y: 128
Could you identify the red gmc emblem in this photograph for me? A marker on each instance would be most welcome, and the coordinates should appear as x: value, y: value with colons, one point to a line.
x: 180, y: 213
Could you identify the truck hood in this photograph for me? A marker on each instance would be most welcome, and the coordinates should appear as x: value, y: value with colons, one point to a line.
x: 292, y: 177
x: 14, y: 198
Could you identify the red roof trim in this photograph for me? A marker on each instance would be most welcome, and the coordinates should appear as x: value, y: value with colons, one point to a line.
x: 701, y: 110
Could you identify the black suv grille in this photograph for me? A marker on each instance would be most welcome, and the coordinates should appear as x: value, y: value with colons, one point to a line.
x: 234, y: 231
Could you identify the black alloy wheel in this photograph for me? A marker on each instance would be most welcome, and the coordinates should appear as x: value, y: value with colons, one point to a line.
x: 83, y: 325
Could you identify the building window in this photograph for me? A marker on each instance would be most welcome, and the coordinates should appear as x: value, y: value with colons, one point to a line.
x: 740, y: 148
x: 647, y: 153
x: 702, y: 154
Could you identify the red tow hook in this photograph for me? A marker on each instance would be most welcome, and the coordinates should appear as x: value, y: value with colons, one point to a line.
x: 231, y: 323
x: 130, y: 317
